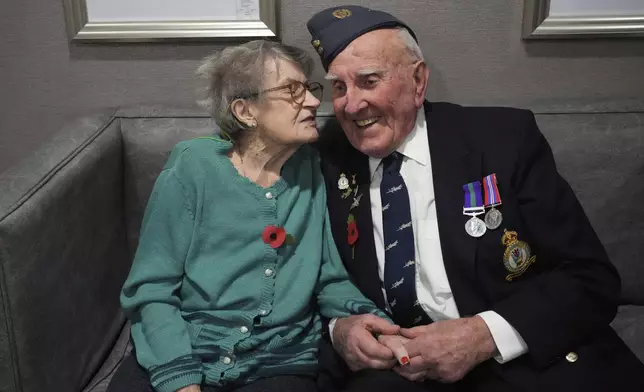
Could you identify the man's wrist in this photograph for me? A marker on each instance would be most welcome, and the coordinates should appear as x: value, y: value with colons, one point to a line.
x: 487, y: 345
x: 332, y: 327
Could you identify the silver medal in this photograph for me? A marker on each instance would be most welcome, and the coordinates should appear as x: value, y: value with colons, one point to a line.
x: 493, y: 219
x: 475, y: 227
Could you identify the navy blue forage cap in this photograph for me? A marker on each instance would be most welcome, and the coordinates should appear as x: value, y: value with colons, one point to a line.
x: 334, y: 28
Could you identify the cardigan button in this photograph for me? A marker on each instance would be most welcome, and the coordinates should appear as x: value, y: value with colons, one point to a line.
x: 268, y: 272
x: 269, y: 195
x: 244, y: 329
x: 227, y: 360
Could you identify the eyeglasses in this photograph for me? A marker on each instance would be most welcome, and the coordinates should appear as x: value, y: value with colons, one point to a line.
x: 298, y: 90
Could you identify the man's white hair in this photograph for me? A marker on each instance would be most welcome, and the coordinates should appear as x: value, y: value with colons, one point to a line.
x: 410, y: 43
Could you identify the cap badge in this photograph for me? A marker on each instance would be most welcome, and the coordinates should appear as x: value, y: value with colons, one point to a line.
x: 342, y: 13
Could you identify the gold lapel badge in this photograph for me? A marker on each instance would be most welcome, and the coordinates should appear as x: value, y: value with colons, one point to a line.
x: 517, y: 256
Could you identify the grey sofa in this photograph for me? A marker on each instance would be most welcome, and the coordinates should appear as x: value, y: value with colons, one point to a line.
x: 70, y: 215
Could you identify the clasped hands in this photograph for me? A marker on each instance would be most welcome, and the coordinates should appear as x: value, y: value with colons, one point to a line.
x: 444, y: 350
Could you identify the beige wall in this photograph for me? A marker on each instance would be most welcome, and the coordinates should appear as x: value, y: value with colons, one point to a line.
x: 473, y: 48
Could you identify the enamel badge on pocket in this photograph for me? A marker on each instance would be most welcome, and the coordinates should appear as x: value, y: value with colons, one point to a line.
x: 517, y: 257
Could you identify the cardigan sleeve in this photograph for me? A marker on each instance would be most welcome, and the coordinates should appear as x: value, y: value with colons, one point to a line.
x: 150, y: 294
x: 337, y: 296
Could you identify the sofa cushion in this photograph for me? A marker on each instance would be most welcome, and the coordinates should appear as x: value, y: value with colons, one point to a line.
x: 147, y: 142
x: 121, y: 349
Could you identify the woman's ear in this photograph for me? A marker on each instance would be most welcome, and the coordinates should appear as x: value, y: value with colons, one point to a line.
x: 421, y: 80
x: 243, y: 112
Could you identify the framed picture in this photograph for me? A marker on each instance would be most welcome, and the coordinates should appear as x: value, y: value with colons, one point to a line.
x: 160, y: 20
x: 544, y: 19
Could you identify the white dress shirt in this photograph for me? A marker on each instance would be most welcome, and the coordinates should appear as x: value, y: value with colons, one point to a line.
x: 432, y: 286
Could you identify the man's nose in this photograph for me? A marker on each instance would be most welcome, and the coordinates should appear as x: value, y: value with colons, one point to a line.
x: 355, y: 101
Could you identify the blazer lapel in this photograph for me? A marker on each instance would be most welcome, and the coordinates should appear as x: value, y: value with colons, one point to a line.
x: 454, y: 165
x: 364, y: 256
x: 360, y: 259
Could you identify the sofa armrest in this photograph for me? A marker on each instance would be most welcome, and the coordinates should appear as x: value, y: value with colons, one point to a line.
x: 63, y: 258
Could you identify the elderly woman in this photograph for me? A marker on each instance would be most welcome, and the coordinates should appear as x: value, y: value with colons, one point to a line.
x: 236, y: 261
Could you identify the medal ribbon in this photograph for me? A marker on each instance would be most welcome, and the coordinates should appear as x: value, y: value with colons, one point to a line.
x: 492, y: 195
x: 473, y: 199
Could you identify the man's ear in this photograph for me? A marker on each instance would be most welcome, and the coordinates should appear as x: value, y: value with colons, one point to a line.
x: 243, y: 112
x: 421, y: 80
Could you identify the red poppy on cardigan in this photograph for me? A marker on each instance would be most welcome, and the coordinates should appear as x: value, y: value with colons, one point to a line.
x: 274, y: 236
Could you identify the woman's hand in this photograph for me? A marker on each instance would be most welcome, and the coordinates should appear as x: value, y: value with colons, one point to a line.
x: 190, y: 388
x: 353, y: 339
x: 396, y: 343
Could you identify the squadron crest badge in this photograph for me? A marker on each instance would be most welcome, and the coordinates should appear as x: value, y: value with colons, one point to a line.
x: 517, y: 256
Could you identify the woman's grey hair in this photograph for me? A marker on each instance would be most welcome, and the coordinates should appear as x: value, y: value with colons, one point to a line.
x: 238, y: 72
x: 410, y: 43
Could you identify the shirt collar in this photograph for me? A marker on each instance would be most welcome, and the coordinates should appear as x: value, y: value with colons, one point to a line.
x: 415, y: 146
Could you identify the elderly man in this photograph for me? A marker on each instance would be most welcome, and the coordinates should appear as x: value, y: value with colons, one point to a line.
x: 455, y: 221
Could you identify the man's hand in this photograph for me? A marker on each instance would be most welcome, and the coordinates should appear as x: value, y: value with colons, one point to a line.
x: 353, y: 338
x: 447, y: 350
x: 190, y: 388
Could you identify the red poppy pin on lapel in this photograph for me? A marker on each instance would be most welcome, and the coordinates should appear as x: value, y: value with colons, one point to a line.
x: 352, y: 231
x: 352, y: 226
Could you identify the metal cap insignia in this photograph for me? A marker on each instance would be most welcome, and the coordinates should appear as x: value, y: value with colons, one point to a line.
x: 341, y: 13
